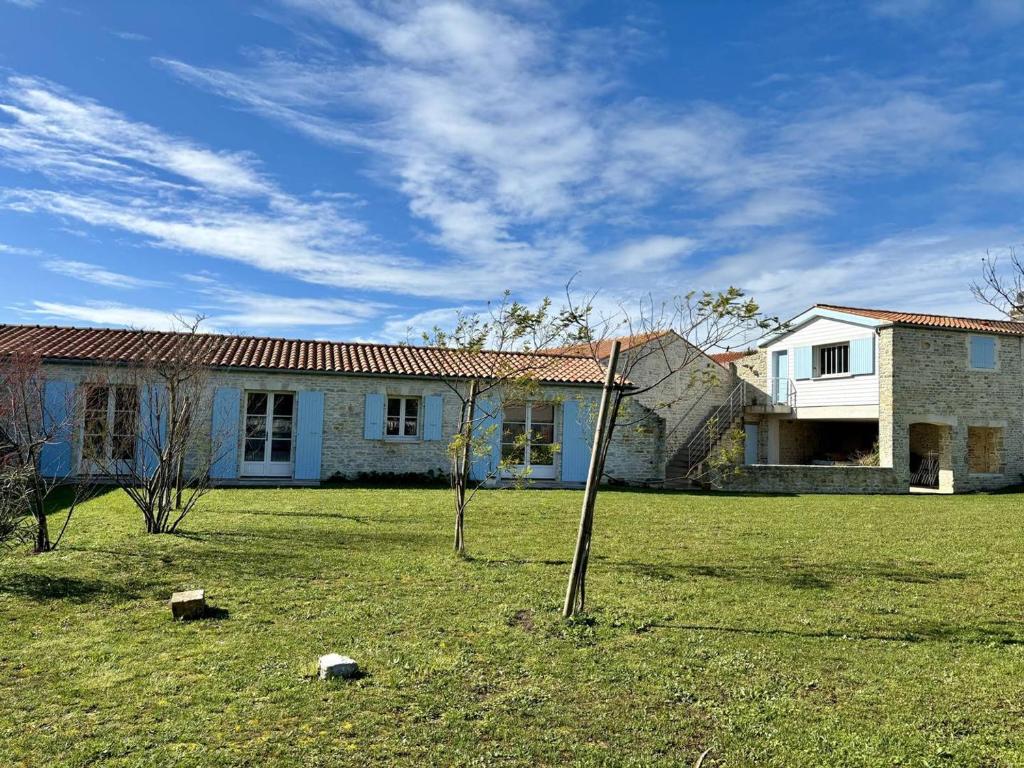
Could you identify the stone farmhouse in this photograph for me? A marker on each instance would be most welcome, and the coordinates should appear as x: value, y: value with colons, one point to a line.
x: 935, y: 403
x: 843, y: 400
x: 300, y: 412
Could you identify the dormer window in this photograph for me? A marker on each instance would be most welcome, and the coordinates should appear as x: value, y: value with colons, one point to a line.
x: 832, y: 359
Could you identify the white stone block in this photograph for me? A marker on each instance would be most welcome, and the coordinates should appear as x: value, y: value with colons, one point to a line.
x: 336, y: 665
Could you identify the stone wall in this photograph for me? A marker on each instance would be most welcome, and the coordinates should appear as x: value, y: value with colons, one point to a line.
x: 931, y: 383
x: 636, y: 455
x: 798, y: 441
x: 777, y: 478
x: 753, y: 369
x: 686, y: 386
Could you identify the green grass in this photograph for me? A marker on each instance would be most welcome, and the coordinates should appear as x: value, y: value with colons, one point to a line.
x: 775, y: 631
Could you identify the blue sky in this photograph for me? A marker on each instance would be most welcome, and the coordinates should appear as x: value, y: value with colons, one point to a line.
x: 344, y: 169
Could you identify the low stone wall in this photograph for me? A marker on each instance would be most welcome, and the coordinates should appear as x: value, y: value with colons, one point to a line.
x: 782, y: 478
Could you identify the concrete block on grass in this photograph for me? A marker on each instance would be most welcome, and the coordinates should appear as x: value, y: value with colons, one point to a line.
x: 336, y: 665
x: 188, y: 605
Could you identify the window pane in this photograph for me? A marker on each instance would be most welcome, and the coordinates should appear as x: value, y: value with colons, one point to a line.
x: 512, y: 453
x: 393, y: 426
x: 125, y: 399
x: 256, y: 403
x: 542, y: 455
x: 96, y: 398
x: 509, y: 432
x: 411, y: 426
x: 544, y: 413
x: 283, y: 404
x: 394, y: 406
x: 515, y: 413
x: 282, y: 428
x: 542, y: 433
x: 412, y: 406
x: 280, y: 450
x: 254, y: 450
x: 123, y: 448
x: 256, y: 427
x: 93, y: 445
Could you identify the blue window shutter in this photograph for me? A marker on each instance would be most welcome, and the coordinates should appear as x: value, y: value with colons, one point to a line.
x: 309, y: 435
x: 862, y: 356
x: 983, y: 352
x: 577, y: 440
x: 152, y: 427
x: 227, y: 408
x: 58, y: 412
x: 433, y: 408
x: 803, y: 367
x: 373, y: 417
x: 487, y: 416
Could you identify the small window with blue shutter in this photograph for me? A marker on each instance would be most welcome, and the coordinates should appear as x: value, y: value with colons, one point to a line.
x: 982, y: 353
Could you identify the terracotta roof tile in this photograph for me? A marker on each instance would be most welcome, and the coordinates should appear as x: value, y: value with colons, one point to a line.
x: 934, y: 321
x: 108, y: 345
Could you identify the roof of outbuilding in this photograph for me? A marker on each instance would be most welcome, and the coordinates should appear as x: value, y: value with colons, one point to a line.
x: 933, y: 321
x: 724, y: 358
x: 602, y: 348
x: 110, y: 345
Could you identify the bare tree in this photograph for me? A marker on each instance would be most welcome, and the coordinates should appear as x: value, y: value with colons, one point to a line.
x: 14, y: 506
x: 159, y: 447
x: 34, y: 422
x: 1001, y: 285
x: 676, y: 334
x: 492, y: 364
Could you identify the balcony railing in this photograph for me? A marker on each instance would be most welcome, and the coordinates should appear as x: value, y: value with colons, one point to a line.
x: 782, y: 391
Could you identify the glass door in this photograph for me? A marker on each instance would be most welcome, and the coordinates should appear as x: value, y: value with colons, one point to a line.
x: 528, y: 440
x: 268, y: 434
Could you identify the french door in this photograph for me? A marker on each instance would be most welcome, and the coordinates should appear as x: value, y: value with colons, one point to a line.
x: 528, y: 439
x: 110, y: 428
x: 269, y: 420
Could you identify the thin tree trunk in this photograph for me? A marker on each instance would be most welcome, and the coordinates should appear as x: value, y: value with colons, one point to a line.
x: 42, y: 542
x: 575, y: 593
x: 179, y: 482
x: 463, y: 464
x: 42, y: 537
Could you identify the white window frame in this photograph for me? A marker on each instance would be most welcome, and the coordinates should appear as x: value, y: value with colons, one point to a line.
x: 403, y: 400
x: 267, y: 467
x: 109, y: 423
x: 816, y: 362
x: 537, y: 471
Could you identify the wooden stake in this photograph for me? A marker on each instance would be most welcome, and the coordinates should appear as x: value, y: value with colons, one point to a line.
x: 582, y: 555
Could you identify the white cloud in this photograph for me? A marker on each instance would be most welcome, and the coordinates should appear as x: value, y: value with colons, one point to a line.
x: 15, y: 250
x: 55, y: 132
x: 400, y: 328
x: 108, y: 314
x: 224, y: 309
x: 235, y: 309
x: 927, y: 271
x: 134, y: 37
x: 25, y: 3
x: 513, y: 153
x: 92, y: 273
x: 657, y: 252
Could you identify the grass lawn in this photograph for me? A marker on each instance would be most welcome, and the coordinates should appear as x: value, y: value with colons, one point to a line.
x: 774, y: 631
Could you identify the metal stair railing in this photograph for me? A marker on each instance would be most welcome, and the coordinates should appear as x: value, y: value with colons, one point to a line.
x: 699, y: 447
